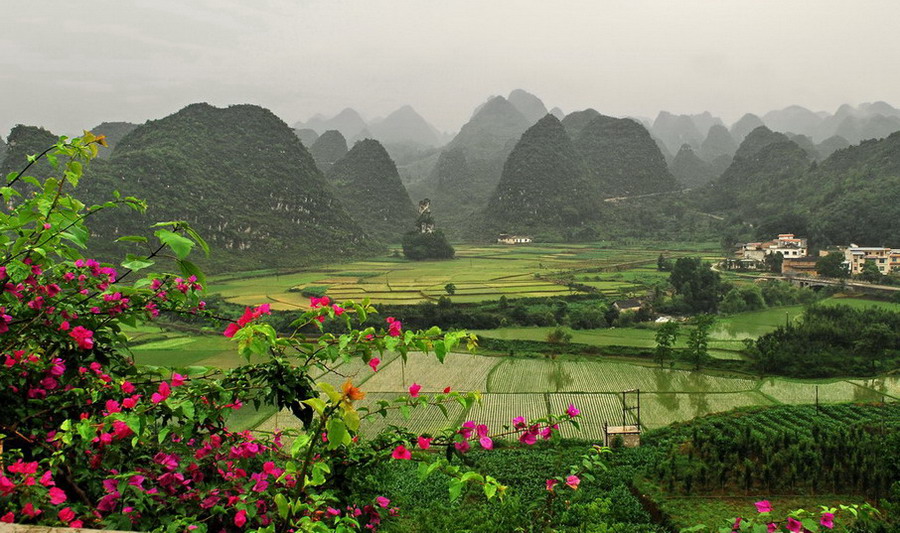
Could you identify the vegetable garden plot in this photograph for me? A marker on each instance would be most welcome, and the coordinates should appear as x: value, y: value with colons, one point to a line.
x: 460, y: 371
x: 590, y: 376
x: 795, y: 392
x: 595, y: 410
x: 662, y: 409
x: 498, y: 410
x: 523, y: 375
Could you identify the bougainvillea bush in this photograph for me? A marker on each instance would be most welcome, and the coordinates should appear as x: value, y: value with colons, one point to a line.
x: 89, y: 439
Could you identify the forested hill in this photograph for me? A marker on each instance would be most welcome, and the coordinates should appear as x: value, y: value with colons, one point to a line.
x: 24, y: 141
x: 367, y: 181
x: 543, y: 187
x: 852, y: 196
x: 240, y: 176
x: 114, y: 132
x: 622, y: 158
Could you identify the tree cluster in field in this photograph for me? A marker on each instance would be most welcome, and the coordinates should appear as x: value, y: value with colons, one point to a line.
x: 576, y: 312
x: 699, y: 289
x: 830, y: 341
x: 836, y: 449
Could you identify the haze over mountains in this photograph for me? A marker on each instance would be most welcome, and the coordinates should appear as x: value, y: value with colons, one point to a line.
x: 267, y: 194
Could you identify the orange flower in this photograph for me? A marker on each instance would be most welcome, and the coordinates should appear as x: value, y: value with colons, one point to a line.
x: 352, y: 393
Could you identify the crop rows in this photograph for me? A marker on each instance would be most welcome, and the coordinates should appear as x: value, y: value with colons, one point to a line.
x: 596, y: 409
x: 355, y: 370
x: 604, y: 376
x: 422, y: 420
x: 498, y: 410
x: 523, y: 375
x: 462, y: 372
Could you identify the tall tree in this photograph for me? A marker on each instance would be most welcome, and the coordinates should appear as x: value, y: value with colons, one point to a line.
x: 666, y: 336
x: 698, y: 340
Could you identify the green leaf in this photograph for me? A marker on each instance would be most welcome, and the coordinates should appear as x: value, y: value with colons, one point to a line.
x: 440, y: 350
x: 456, y: 487
x: 198, y: 239
x: 337, y: 433
x: 177, y: 243
x: 190, y: 269
x: 282, y: 504
x: 316, y: 404
x: 490, y: 490
x: 329, y: 390
x: 132, y: 238
x: 136, y: 262
x: 351, y: 418
x: 404, y: 410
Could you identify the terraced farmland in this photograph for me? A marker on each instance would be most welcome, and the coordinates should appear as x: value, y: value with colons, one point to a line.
x: 479, y: 273
x: 498, y: 410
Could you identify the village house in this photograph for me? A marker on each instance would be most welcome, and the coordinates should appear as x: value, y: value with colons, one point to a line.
x: 886, y: 259
x: 752, y: 255
x: 505, y: 238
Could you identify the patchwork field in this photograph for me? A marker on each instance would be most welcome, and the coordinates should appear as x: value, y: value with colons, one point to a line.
x: 478, y: 273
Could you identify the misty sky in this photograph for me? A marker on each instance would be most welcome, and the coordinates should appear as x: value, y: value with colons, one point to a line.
x: 71, y: 65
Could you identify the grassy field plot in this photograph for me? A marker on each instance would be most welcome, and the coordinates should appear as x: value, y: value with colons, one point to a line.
x: 662, y: 409
x: 462, y: 372
x: 795, y: 392
x: 887, y: 385
x: 606, y: 376
x: 523, y: 375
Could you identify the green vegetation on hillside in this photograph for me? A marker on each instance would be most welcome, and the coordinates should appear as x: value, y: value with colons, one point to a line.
x: 239, y: 176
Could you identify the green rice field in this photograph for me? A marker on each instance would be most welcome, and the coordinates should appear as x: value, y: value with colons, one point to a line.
x: 479, y: 273
x: 537, y: 387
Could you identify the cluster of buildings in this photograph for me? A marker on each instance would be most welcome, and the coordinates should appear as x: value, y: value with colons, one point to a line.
x: 886, y: 259
x: 796, y: 258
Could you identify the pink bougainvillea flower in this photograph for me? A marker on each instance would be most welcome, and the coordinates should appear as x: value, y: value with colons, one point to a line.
x: 374, y: 362
x: 401, y: 453
x: 481, y: 430
x: 424, y: 442
x: 333, y: 512
x: 794, y: 525
x: 6, y: 486
x: 231, y: 329
x: 572, y: 482
x: 763, y: 506
x: 83, y: 337
x: 8, y: 518
x: 486, y: 443
x: 551, y: 483
x: 240, y: 518
x: 827, y: 520
x: 467, y: 428
x: 315, y: 302
x: 394, y: 326
x: 338, y: 310
x: 177, y: 379
x: 528, y: 438
x: 519, y: 422
x: 572, y: 411
x: 414, y: 390
x: 162, y: 393
x: 462, y: 446
x: 737, y: 523
x: 771, y: 527
x: 66, y: 515
x: 57, y: 496
x: 382, y: 502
